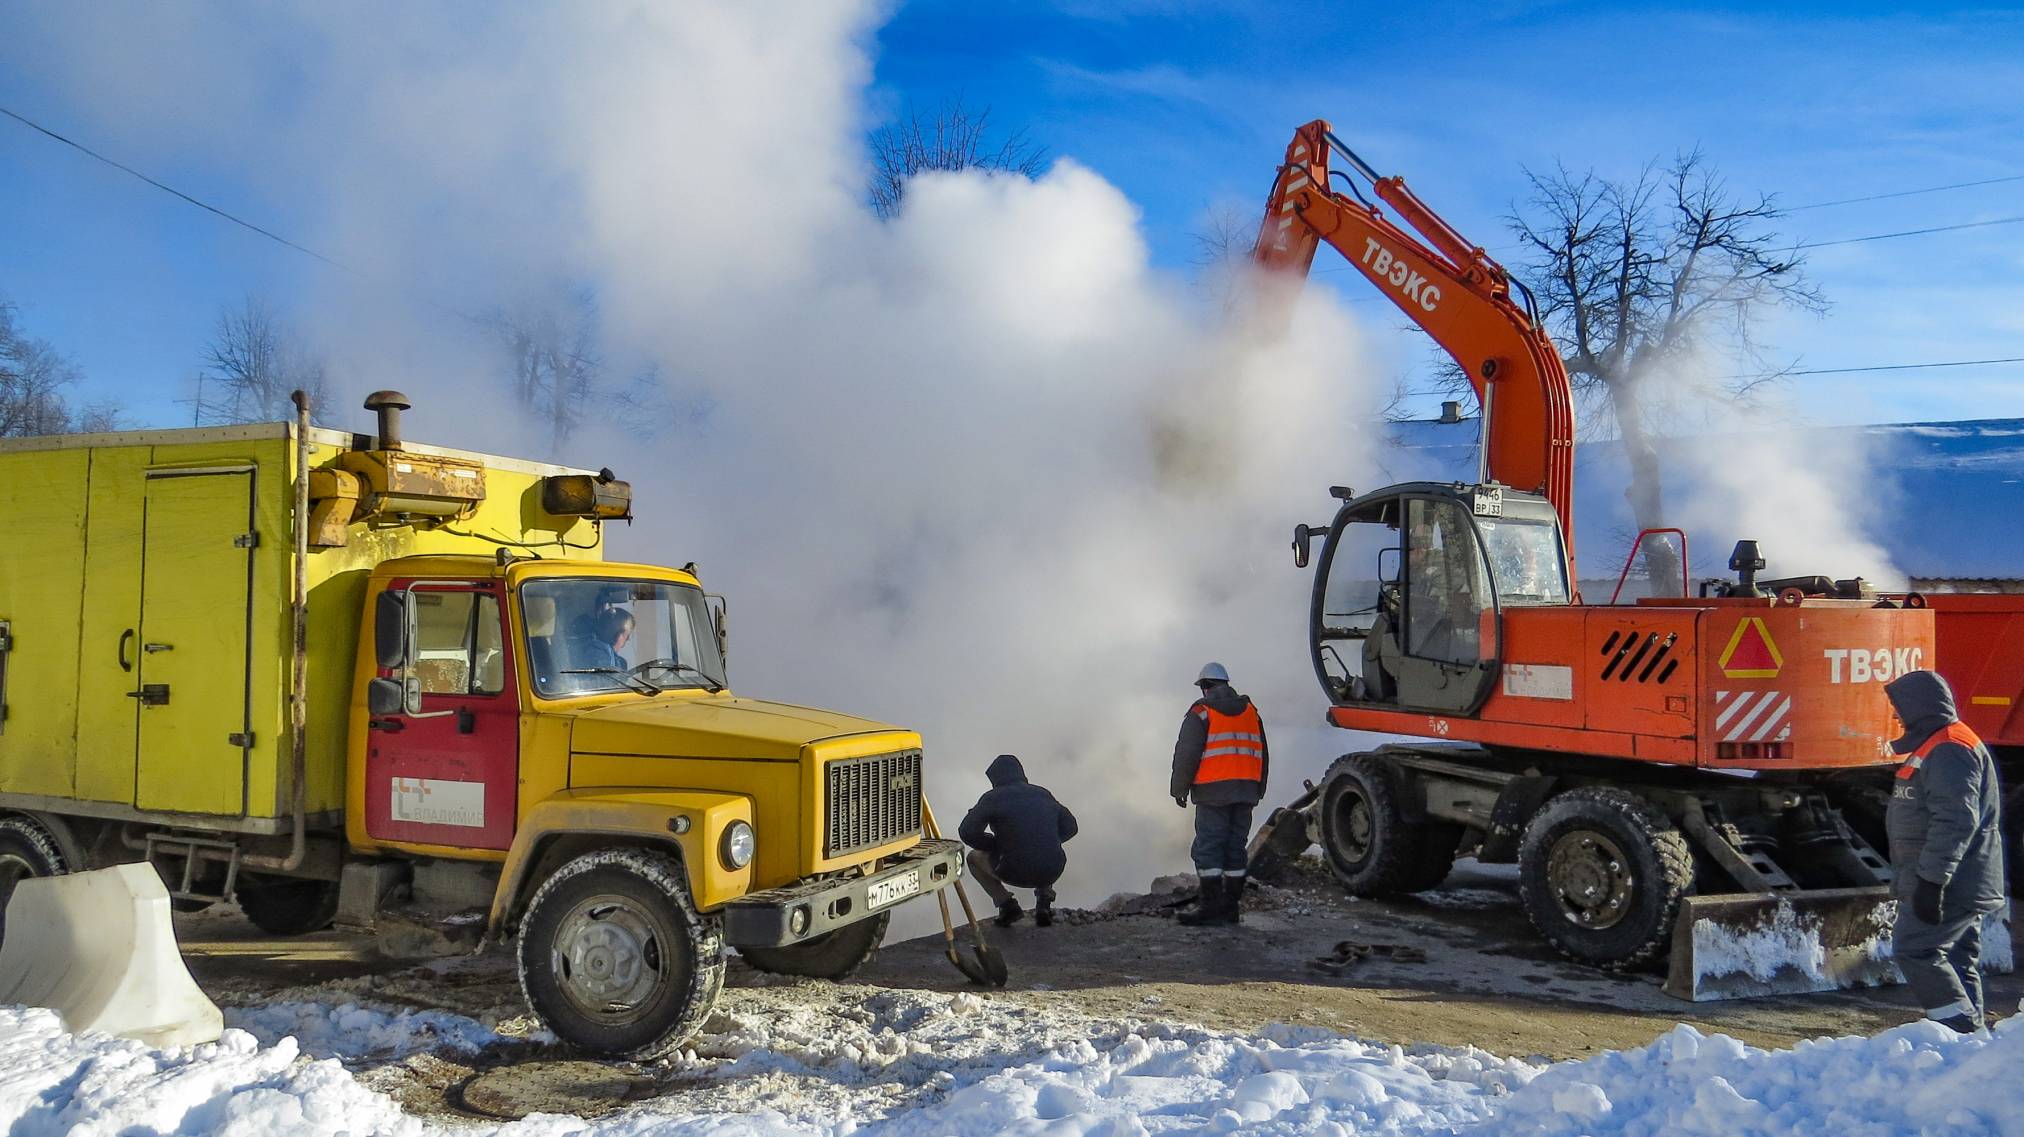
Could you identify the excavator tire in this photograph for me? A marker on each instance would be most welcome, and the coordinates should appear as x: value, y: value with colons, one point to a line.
x: 1439, y: 841
x: 1602, y: 873
x: 1368, y: 842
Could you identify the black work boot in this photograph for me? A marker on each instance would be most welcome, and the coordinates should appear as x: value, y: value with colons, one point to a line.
x: 1009, y: 913
x: 1043, y: 909
x: 1959, y: 1024
x: 1233, y: 899
x: 1208, y: 910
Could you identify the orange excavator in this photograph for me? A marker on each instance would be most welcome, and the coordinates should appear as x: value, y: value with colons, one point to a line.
x: 1662, y: 771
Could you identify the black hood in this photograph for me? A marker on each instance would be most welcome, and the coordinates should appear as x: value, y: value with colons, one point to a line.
x: 1005, y: 770
x: 1924, y: 703
x: 1224, y: 699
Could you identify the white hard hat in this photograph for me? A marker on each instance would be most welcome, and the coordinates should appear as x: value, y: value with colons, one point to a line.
x: 1212, y: 673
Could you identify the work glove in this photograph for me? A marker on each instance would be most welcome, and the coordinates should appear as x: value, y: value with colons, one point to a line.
x: 1181, y: 800
x: 1926, y: 901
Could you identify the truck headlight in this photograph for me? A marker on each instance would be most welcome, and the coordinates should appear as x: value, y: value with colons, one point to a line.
x: 737, y: 845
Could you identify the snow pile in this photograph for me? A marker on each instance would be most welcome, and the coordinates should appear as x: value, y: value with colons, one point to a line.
x: 348, y: 1030
x: 1917, y: 1079
x: 927, y: 1064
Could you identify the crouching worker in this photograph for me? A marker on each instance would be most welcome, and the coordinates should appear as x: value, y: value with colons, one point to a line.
x: 1220, y: 763
x: 1946, y: 849
x: 1016, y: 832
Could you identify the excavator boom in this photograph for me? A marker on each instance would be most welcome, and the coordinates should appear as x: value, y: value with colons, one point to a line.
x: 1451, y: 289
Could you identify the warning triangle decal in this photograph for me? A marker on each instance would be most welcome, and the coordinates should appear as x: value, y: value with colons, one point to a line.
x: 1751, y: 653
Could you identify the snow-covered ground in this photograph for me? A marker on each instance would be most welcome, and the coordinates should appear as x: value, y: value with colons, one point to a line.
x: 927, y: 1063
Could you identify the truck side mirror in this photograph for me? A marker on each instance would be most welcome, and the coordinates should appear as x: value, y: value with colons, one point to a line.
x: 1388, y: 562
x: 720, y: 622
x: 384, y: 697
x: 390, y: 629
x: 1303, y: 535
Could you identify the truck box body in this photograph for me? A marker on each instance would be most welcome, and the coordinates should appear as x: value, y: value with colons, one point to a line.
x: 145, y: 591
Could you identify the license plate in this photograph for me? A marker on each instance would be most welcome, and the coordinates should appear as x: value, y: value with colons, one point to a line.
x: 892, y: 889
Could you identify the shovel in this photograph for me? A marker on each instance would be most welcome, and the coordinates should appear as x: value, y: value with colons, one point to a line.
x: 989, y: 967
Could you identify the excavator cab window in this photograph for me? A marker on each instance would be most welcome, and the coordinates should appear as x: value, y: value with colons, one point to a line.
x: 1405, y: 611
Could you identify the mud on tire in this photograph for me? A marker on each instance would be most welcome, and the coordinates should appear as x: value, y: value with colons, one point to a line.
x: 614, y: 957
x: 1602, y: 873
x: 1365, y: 837
x: 832, y: 955
x: 26, y: 850
x: 285, y: 906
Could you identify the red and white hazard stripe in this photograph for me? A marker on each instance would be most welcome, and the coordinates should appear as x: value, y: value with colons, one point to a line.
x: 1753, y: 716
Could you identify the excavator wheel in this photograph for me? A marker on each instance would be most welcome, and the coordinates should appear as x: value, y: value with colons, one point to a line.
x: 1437, y: 855
x: 1602, y: 873
x: 1368, y: 842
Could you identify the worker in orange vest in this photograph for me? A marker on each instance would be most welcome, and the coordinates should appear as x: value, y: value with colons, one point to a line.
x: 1220, y: 763
x: 1945, y: 825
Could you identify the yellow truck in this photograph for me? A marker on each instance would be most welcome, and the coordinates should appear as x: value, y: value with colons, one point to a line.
x: 322, y: 674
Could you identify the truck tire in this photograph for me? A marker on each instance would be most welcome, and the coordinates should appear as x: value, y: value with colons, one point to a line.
x: 1365, y: 837
x: 832, y: 955
x: 1602, y: 873
x: 287, y: 906
x: 615, y: 958
x: 26, y: 850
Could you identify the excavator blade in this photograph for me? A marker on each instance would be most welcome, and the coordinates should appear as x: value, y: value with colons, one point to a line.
x: 98, y: 949
x: 1747, y: 944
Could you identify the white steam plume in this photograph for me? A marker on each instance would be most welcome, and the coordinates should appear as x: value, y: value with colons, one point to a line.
x: 981, y: 471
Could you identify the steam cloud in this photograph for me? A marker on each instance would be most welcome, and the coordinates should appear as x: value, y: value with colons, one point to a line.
x: 981, y: 471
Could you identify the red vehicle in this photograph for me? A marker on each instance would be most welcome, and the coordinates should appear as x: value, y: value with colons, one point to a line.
x: 1651, y: 766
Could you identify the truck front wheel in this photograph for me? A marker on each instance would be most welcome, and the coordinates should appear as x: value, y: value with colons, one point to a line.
x: 286, y: 906
x: 832, y: 955
x: 615, y: 958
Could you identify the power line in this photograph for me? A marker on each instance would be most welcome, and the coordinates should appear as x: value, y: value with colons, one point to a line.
x: 1904, y: 193
x: 1881, y: 367
x: 1910, y: 233
x: 206, y: 206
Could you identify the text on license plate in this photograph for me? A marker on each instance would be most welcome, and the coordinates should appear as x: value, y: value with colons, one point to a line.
x: 892, y: 888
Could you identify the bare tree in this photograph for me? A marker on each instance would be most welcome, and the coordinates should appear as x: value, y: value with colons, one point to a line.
x: 252, y: 364
x: 950, y: 137
x: 33, y: 375
x: 1641, y: 280
x: 555, y: 360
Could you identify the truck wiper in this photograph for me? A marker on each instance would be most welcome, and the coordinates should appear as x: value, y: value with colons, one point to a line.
x: 678, y: 666
x: 633, y: 682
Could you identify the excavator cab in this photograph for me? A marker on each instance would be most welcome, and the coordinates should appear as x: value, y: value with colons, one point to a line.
x: 1411, y: 585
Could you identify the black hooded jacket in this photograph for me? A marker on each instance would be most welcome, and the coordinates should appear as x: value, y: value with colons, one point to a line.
x: 1194, y: 738
x: 1945, y: 820
x: 1020, y: 826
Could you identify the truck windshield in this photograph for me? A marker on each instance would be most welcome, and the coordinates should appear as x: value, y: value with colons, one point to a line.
x: 586, y: 635
x: 1525, y: 557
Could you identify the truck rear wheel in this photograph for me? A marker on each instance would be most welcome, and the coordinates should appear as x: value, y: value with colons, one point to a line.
x: 287, y: 906
x: 26, y: 850
x: 1371, y: 847
x: 615, y: 958
x: 832, y: 955
x: 1602, y: 873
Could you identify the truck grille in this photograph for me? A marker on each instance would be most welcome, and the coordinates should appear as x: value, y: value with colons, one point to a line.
x: 872, y: 800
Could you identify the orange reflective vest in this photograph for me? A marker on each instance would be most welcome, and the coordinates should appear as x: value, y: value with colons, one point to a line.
x: 1235, y: 748
x: 1956, y: 732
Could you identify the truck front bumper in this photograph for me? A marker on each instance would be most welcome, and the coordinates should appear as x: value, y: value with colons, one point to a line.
x: 779, y: 917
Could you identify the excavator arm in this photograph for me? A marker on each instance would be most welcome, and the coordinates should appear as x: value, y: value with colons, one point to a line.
x: 1451, y: 289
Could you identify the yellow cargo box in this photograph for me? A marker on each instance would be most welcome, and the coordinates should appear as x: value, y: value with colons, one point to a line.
x: 146, y: 585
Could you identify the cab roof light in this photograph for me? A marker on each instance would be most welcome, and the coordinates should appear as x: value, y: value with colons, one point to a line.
x: 600, y: 496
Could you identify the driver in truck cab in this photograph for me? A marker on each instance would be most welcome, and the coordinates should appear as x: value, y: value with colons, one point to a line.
x: 605, y: 633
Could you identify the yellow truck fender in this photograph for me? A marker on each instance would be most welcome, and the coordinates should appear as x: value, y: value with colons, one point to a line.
x: 687, y: 823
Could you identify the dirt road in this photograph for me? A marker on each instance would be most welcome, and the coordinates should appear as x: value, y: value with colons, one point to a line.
x: 1486, y: 979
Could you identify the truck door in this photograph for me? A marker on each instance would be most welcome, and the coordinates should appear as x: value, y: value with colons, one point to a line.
x: 450, y: 775
x: 191, y: 666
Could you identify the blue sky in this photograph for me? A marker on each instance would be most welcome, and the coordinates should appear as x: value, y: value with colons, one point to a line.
x: 1187, y: 107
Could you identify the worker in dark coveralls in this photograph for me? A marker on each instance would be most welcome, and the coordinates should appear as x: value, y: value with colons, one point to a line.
x: 1946, y: 849
x: 1016, y: 832
x: 1220, y: 764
